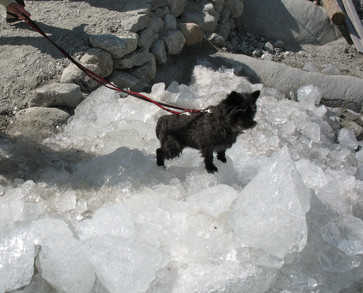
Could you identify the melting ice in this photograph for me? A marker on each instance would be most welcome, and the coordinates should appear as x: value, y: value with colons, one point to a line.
x: 283, y: 215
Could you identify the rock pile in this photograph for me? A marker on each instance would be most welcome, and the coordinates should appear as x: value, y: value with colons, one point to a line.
x: 151, y: 32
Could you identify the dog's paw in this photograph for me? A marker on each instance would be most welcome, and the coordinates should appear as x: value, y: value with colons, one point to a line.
x: 222, y: 158
x: 212, y: 169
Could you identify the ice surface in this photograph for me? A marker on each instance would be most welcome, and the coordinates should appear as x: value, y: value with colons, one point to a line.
x: 347, y: 138
x: 280, y: 201
x: 123, y: 266
x: 16, y: 259
x: 104, y: 218
x: 309, y: 95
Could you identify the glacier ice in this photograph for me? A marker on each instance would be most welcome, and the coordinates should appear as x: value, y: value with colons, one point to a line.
x: 284, y: 214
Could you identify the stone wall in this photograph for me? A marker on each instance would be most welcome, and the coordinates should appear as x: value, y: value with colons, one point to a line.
x: 129, y: 58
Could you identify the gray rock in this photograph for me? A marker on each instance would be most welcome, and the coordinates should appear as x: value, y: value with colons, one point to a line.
x: 159, y: 52
x: 337, y: 91
x: 158, y: 3
x: 133, y: 21
x: 146, y: 38
x: 311, y: 67
x: 177, y: 6
x: 124, y: 80
x: 37, y: 121
x: 174, y: 41
x: 293, y: 22
x: 192, y: 32
x: 156, y: 24
x: 117, y: 46
x: 330, y: 69
x: 72, y: 74
x: 101, y: 58
x: 268, y: 47
x: 169, y: 22
x: 217, y: 40
x: 57, y: 94
x: 147, y: 71
x: 218, y: 4
x: 257, y: 52
x: 194, y: 12
x: 235, y: 7
x: 134, y: 59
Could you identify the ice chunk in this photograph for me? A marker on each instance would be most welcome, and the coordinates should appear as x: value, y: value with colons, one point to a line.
x: 270, y: 211
x: 312, y: 131
x: 10, y: 212
x: 313, y: 176
x: 225, y: 276
x: 334, y: 260
x: 16, y: 259
x: 214, y: 200
x: 346, y: 137
x: 347, y: 235
x: 123, y: 266
x: 332, y: 196
x: 112, y: 220
x: 65, y: 265
x: 309, y: 96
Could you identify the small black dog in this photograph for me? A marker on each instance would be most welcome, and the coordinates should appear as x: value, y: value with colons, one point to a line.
x: 213, y: 131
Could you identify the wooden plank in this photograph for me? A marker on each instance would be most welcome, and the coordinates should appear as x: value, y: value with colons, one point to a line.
x: 353, y: 23
x: 334, y: 11
x: 353, y: 16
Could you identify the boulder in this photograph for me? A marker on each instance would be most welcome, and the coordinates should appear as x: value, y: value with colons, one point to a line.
x: 293, y: 22
x: 169, y: 22
x: 125, y: 80
x: 159, y: 52
x: 174, y: 41
x: 146, y: 38
x: 156, y: 24
x: 196, y: 15
x: 177, y: 6
x: 37, y: 121
x: 117, y: 46
x: 72, y: 74
x: 57, y: 94
x: 337, y: 90
x: 192, y: 32
x: 146, y: 72
x: 101, y: 58
x: 218, y: 4
x: 136, y: 58
x: 235, y: 7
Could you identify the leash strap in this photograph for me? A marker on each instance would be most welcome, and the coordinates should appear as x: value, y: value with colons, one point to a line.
x: 107, y: 84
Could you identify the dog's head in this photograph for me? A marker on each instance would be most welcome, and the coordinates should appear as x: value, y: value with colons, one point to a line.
x: 240, y: 110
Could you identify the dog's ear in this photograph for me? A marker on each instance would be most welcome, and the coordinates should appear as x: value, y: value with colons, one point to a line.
x: 232, y: 99
x: 255, y: 94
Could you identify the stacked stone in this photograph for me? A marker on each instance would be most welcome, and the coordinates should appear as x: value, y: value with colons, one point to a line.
x: 129, y: 58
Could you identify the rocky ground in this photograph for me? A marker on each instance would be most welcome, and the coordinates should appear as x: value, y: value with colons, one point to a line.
x: 29, y: 61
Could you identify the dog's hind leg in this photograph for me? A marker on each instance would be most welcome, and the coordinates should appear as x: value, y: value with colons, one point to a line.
x: 171, y: 147
x: 222, y: 156
x: 160, y: 157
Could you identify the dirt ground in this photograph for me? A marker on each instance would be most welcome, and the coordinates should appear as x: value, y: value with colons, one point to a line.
x: 28, y: 61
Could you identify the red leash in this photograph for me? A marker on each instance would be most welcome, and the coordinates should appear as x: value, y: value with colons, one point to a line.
x: 107, y: 84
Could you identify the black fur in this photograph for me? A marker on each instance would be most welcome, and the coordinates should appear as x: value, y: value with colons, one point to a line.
x: 207, y: 132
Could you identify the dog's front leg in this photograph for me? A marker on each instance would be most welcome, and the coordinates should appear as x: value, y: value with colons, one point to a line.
x: 160, y: 157
x: 207, y: 154
x: 222, y: 156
